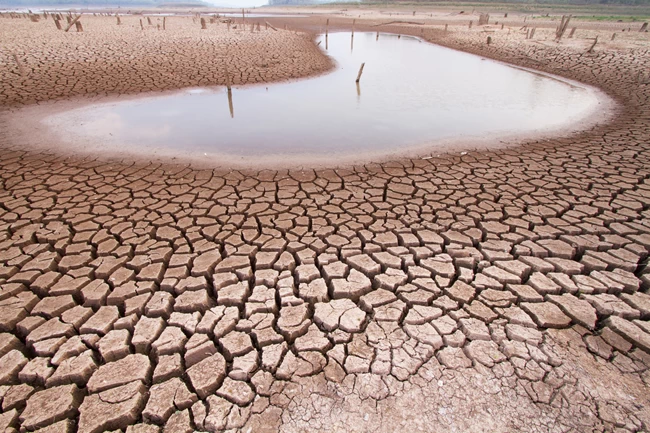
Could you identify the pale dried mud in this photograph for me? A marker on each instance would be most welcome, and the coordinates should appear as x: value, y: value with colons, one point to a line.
x: 491, y: 291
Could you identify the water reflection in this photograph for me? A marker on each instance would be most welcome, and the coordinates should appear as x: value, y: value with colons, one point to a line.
x: 412, y: 93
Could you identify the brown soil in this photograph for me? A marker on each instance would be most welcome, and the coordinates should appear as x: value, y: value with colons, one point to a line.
x: 107, y: 59
x: 493, y: 291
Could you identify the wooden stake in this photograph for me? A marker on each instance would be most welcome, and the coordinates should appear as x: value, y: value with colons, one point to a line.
x: 446, y: 26
x: 269, y: 25
x: 230, y: 105
x: 72, y: 23
x: 573, y: 30
x: 119, y: 21
x: 562, y: 28
x: 164, y: 22
x: 21, y: 70
x: 79, y: 27
x: 141, y: 26
x: 591, y: 49
x: 149, y: 20
x: 327, y: 26
x: 57, y: 23
x: 613, y: 36
x: 203, y: 26
x: 227, y: 80
x: 360, y: 72
x: 643, y: 27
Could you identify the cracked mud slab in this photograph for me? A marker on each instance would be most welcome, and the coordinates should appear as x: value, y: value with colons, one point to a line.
x: 492, y: 291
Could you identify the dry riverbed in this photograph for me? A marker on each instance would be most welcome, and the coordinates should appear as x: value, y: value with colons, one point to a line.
x: 500, y: 290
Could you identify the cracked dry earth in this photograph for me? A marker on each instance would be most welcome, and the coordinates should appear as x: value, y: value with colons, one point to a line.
x: 110, y: 59
x: 494, y: 291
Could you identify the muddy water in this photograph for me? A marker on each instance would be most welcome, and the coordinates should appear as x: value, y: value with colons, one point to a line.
x: 412, y: 95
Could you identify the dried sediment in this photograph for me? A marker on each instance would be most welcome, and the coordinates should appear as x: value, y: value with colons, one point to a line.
x: 111, y: 59
x: 503, y: 290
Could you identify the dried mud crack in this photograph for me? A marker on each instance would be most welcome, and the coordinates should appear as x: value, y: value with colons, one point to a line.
x: 492, y: 291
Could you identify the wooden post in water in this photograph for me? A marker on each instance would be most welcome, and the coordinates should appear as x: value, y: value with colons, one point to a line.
x: 360, y: 72
x: 327, y: 26
x: 227, y: 79
x: 203, y: 26
x: 230, y: 105
x: 377, y: 38
x: 353, y: 22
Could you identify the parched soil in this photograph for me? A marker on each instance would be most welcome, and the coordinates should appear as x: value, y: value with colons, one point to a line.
x: 111, y: 59
x: 489, y: 291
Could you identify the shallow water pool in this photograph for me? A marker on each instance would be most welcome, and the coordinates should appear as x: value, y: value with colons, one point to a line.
x: 412, y: 95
